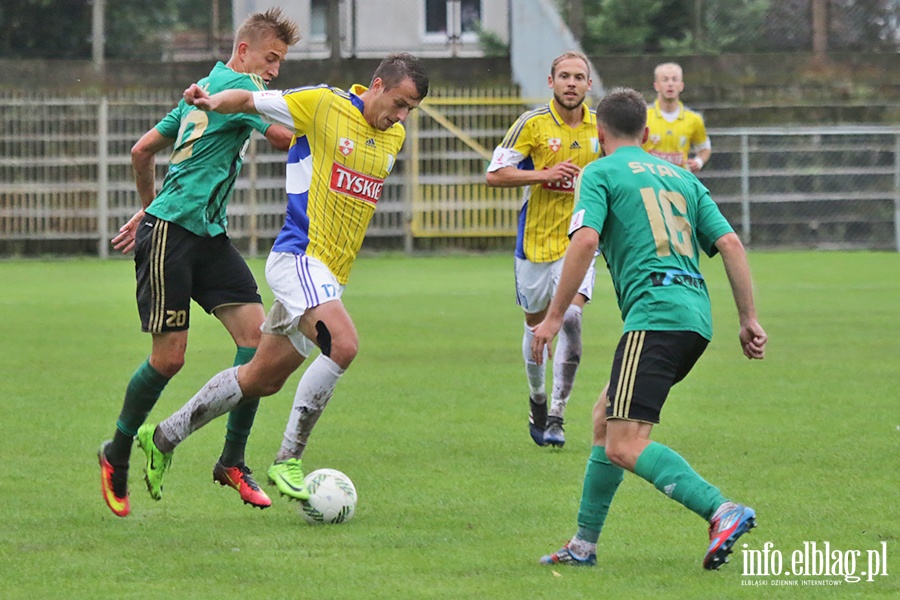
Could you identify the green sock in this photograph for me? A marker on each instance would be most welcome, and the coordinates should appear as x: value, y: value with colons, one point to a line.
x: 601, y: 480
x: 240, y: 420
x: 142, y: 392
x: 673, y: 476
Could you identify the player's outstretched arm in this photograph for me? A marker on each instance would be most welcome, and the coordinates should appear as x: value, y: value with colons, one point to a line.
x: 227, y: 101
x: 280, y: 137
x: 753, y: 337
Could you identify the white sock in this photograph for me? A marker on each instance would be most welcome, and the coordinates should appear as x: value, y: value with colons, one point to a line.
x: 313, y: 393
x: 220, y: 394
x: 566, y: 360
x: 533, y: 371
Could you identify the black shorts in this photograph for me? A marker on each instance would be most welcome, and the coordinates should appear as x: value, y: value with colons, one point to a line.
x: 646, y: 366
x: 173, y: 265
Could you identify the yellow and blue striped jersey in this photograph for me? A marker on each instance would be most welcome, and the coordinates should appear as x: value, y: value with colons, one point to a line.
x: 537, y: 140
x: 672, y: 141
x: 336, y: 169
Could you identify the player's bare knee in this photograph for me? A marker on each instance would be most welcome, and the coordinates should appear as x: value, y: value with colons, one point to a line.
x: 167, y: 365
x: 255, y: 383
x: 342, y: 349
x: 617, y: 454
x: 344, y: 352
x: 268, y: 389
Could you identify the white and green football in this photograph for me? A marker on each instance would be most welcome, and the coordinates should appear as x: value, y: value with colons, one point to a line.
x: 332, y: 497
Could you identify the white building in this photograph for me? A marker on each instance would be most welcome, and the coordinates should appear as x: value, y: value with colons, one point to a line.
x: 373, y: 28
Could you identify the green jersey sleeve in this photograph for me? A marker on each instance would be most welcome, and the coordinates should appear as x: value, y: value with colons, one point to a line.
x: 169, y: 125
x: 711, y: 224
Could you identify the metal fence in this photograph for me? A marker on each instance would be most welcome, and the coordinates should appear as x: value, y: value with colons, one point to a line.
x: 811, y: 187
x: 66, y: 183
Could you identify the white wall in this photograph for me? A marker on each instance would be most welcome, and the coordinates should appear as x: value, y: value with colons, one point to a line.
x: 373, y: 28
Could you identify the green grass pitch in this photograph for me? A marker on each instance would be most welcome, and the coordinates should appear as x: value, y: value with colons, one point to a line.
x: 431, y: 424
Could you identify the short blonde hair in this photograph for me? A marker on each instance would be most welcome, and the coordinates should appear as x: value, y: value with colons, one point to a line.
x: 666, y: 65
x: 258, y: 26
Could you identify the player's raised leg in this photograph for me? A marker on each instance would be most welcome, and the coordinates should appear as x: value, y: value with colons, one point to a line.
x: 671, y: 474
x: 728, y: 523
x: 335, y: 334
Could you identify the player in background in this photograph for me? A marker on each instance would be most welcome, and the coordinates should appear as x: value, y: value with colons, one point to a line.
x: 674, y: 129
x: 182, y: 250
x: 543, y: 152
x: 346, y: 145
x: 652, y: 220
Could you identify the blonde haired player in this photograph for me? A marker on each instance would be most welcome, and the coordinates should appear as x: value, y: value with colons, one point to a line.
x: 182, y: 251
x: 543, y: 152
x: 674, y: 129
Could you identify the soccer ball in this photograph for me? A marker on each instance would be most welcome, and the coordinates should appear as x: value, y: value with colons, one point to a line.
x: 332, y: 497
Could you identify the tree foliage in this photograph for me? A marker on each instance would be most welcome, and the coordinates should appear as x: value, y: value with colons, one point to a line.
x: 717, y: 26
x: 45, y: 29
x: 135, y: 29
x: 620, y: 25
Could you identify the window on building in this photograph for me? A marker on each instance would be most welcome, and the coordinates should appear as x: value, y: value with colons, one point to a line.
x: 452, y: 17
x: 318, y: 20
x: 470, y: 15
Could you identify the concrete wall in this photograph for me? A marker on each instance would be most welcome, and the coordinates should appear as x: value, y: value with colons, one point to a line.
x: 79, y: 77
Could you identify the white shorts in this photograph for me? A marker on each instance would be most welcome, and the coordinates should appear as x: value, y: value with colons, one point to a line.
x: 536, y: 283
x: 299, y: 283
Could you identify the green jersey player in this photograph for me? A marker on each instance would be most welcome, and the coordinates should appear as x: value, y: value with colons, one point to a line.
x: 182, y: 251
x: 651, y: 219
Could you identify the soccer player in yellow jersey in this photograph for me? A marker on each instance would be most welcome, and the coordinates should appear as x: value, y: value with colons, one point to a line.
x: 674, y: 129
x: 544, y: 151
x: 346, y: 143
